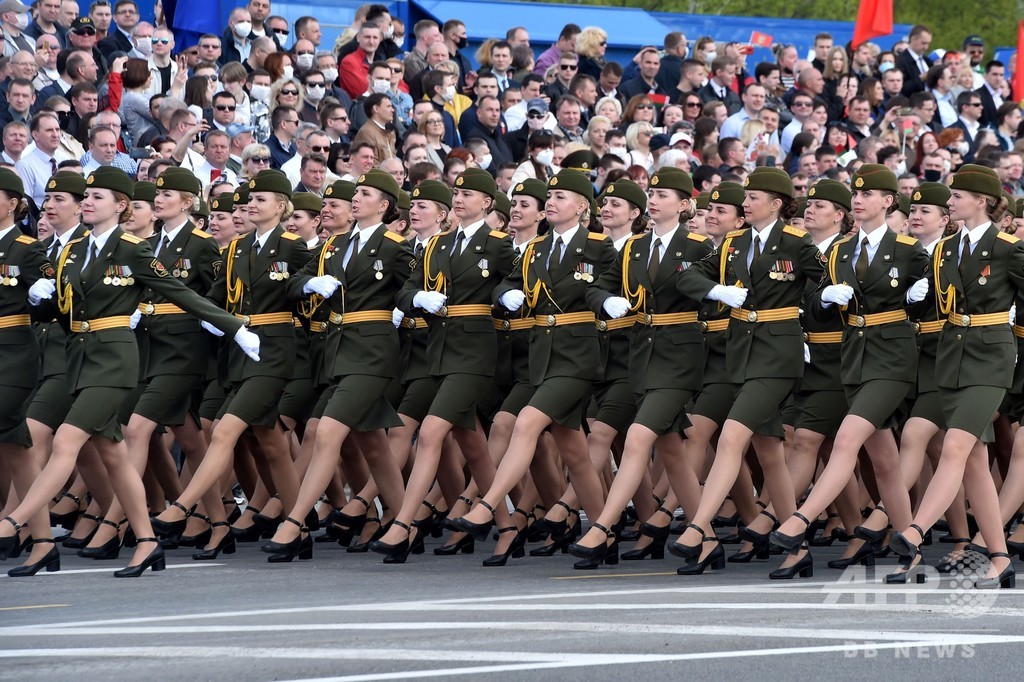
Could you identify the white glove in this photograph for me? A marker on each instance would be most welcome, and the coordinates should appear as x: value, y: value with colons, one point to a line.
x: 431, y: 301
x: 917, y: 292
x: 807, y: 354
x: 41, y: 290
x: 396, y: 317
x: 324, y: 285
x: 210, y: 328
x: 1013, y: 315
x: 248, y: 342
x: 731, y: 296
x: 616, y: 306
x: 136, y: 317
x: 836, y: 293
x: 512, y: 300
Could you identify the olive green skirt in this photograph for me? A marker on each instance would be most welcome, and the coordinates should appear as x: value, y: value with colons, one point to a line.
x: 13, y: 406
x: 878, y: 401
x: 51, y: 401
x: 95, y: 411
x: 714, y: 402
x: 663, y: 410
x: 563, y: 399
x: 971, y: 408
x: 358, y: 401
x: 616, y: 404
x: 419, y: 394
x: 759, y: 402
x: 820, y: 411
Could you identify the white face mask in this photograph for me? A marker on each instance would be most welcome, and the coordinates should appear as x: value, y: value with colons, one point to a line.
x: 330, y: 74
x: 449, y: 93
x: 282, y: 38
x: 260, y: 92
x: 145, y: 47
x: 620, y: 152
x: 485, y: 161
x: 304, y: 61
x: 288, y: 73
x: 710, y: 56
x: 22, y: 22
x: 315, y: 93
x: 545, y: 157
x: 243, y: 29
x: 390, y: 32
x: 381, y: 85
x: 901, y: 168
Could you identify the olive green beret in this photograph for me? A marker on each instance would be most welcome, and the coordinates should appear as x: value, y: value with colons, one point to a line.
x: 583, y: 160
x: 730, y: 193
x: 673, y: 178
x: 931, y: 193
x: 307, y: 201
x: 1018, y: 208
x: 978, y: 179
x: 271, y: 180
x: 702, y: 200
x: 502, y: 204
x: 831, y: 190
x: 203, y: 209
x: 478, y: 180
x: 532, y: 187
x: 433, y: 190
x: 624, y: 188
x: 767, y: 179
x: 241, y: 196
x: 114, y: 179
x: 67, y: 181
x: 874, y: 176
x: 903, y: 202
x: 340, y: 189
x: 573, y: 181
x: 11, y: 182
x: 144, y: 191
x: 801, y: 207
x: 404, y: 200
x: 179, y: 179
x: 1011, y: 203
x: 224, y: 202
x: 381, y: 180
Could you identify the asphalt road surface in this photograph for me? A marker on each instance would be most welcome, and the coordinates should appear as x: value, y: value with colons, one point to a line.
x: 348, y: 617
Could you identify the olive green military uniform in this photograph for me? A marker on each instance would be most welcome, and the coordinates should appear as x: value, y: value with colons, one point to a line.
x: 22, y: 262
x: 462, y: 347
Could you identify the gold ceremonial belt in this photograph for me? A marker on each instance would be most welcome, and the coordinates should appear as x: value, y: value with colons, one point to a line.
x: 770, y: 315
x: 117, y: 322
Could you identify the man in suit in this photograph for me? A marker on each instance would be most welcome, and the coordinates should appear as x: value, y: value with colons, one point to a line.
x: 723, y: 71
x: 968, y: 109
x: 991, y: 92
x: 126, y: 16
x: 913, y: 61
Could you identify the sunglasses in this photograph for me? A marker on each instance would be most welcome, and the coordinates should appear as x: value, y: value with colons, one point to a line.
x: 293, y: 93
x: 536, y: 115
x: 603, y: 43
x: 320, y: 149
x: 396, y: 69
x: 568, y: 67
x: 644, y: 106
x: 315, y: 84
x: 435, y: 121
x: 801, y: 104
x: 305, y: 52
x: 339, y: 118
x: 225, y: 107
x: 84, y: 32
x: 260, y: 159
x: 209, y: 47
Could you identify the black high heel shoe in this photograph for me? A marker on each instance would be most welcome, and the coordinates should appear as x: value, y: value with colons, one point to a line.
x: 66, y: 520
x: 1007, y: 579
x: 954, y: 559
x: 1015, y: 548
x: 555, y: 528
x: 200, y: 539
x: 154, y: 560
x: 761, y: 539
x: 902, y: 546
x: 291, y: 547
x: 10, y: 544
x: 755, y: 552
x: 609, y: 558
x: 477, y: 530
x: 715, y: 560
x: 655, y: 551
x: 51, y: 562
x: 397, y: 548
x: 304, y: 552
x: 657, y: 532
x: 688, y: 551
x: 79, y: 543
x: 907, y: 567
x: 865, y: 555
x: 804, y: 568
x: 592, y: 553
x: 109, y: 550
x: 790, y: 543
x: 363, y: 547
x: 356, y: 522
x: 554, y: 547
x: 515, y: 550
x: 226, y: 545
x: 236, y: 513
x: 466, y: 544
x: 170, y: 528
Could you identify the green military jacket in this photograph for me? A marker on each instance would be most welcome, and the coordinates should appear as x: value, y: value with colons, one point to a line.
x: 22, y: 263
x: 51, y: 335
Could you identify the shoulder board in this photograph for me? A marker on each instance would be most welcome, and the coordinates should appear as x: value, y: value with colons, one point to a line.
x: 130, y: 238
x: 904, y: 239
x: 1007, y: 237
x: 25, y: 239
x: 498, y: 234
x: 290, y: 236
x: 597, y: 236
x: 635, y: 237
x: 388, y: 234
x: 735, y: 233
x: 696, y: 237
x: 202, y: 235
x: 75, y: 241
x: 795, y: 231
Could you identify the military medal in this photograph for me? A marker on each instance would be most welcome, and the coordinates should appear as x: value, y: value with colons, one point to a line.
x: 107, y: 279
x: 484, y: 272
x: 983, y: 279
x: 273, y: 272
x: 894, y: 273
x: 127, y: 280
x: 378, y: 266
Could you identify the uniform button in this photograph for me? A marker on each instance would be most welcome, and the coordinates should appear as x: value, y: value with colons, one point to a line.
x: 444, y: 324
x: 650, y: 340
x: 860, y: 333
x: 548, y: 332
x: 959, y: 337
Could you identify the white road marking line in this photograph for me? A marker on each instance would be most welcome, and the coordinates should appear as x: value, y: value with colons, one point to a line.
x: 113, y: 567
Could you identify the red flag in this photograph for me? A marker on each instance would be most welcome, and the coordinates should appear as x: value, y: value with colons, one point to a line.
x: 1018, y: 69
x: 761, y: 39
x: 874, y: 18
